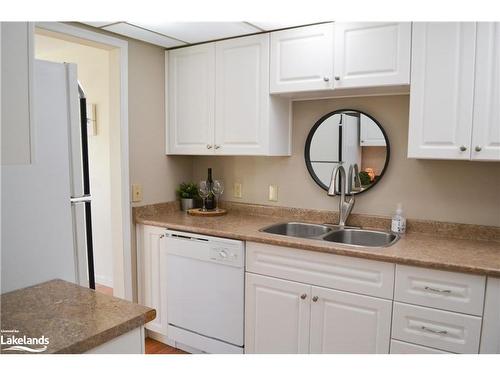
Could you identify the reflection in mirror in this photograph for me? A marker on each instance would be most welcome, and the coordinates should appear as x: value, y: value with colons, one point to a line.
x: 353, y: 138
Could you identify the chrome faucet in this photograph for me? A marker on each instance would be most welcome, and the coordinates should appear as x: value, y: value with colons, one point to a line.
x: 345, y: 206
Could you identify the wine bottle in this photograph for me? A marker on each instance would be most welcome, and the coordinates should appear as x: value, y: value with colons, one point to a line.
x: 210, y: 201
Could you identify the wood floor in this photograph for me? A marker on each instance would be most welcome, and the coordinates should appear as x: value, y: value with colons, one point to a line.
x: 156, y: 347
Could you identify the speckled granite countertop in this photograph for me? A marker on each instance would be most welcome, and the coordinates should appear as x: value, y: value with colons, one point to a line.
x: 414, y: 248
x: 73, y: 318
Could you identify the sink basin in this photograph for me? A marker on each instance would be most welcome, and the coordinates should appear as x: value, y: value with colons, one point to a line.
x: 293, y: 229
x: 362, y: 237
x: 345, y: 235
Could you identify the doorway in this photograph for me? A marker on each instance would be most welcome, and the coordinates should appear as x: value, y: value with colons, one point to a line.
x: 100, y: 73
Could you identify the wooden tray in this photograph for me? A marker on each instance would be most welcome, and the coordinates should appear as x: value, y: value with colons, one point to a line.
x: 199, y: 212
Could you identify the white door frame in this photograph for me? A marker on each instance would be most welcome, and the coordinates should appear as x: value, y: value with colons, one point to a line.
x: 122, y: 45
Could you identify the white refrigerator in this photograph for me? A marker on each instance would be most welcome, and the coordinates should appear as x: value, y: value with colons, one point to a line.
x: 46, y: 218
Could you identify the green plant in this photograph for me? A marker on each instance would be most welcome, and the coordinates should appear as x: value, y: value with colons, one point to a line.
x: 365, y: 178
x: 187, y: 190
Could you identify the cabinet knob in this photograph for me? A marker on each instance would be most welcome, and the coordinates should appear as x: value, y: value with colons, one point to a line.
x: 337, y: 78
x: 478, y: 148
x: 463, y: 148
x: 217, y: 147
x: 315, y: 298
x: 209, y: 146
x: 303, y: 296
x: 326, y: 79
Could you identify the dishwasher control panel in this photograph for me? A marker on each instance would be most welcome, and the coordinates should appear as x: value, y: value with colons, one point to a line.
x: 225, y: 254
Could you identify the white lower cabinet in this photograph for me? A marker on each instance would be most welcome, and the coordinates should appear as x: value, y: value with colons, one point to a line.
x: 277, y: 315
x: 131, y: 342
x: 151, y: 258
x: 445, y: 330
x: 349, y: 323
x: 401, y: 347
x: 288, y: 317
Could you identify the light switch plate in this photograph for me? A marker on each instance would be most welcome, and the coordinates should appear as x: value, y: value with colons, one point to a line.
x: 237, y: 190
x: 136, y: 193
x: 273, y: 193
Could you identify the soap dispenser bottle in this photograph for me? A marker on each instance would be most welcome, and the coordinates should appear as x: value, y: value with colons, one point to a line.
x: 398, y: 224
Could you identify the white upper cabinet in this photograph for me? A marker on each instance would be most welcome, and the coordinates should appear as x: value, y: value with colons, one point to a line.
x: 486, y: 122
x: 302, y: 59
x: 372, y: 54
x: 370, y: 133
x: 191, y: 100
x: 219, y: 102
x: 442, y: 88
x: 455, y: 86
x: 241, y: 91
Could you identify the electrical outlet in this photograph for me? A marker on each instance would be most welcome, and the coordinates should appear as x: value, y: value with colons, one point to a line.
x: 273, y: 193
x: 237, y: 190
x: 136, y: 193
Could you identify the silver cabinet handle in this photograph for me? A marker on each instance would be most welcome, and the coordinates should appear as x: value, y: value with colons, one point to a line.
x: 463, y: 148
x: 303, y: 296
x: 326, y: 79
x: 437, y: 290
x: 443, y: 332
x: 478, y: 148
x: 209, y: 146
x: 315, y: 298
x: 217, y: 147
x: 337, y: 78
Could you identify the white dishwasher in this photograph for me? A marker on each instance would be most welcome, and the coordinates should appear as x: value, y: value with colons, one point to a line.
x: 205, y: 291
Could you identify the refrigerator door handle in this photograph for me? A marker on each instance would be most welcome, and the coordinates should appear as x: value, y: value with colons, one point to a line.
x: 82, y: 199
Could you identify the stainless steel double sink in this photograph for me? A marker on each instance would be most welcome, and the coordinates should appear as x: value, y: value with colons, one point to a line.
x: 333, y: 233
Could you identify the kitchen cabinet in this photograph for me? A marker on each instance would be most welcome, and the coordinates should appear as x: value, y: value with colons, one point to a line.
x: 486, y: 117
x: 16, y: 77
x: 454, y: 91
x: 291, y: 307
x: 151, y: 266
x: 131, y: 342
x: 349, y: 323
x: 372, y: 54
x: 370, y: 133
x: 277, y: 314
x: 490, y: 337
x: 219, y: 102
x: 191, y: 100
x: 302, y: 59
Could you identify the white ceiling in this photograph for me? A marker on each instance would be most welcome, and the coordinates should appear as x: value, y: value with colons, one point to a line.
x: 177, y: 34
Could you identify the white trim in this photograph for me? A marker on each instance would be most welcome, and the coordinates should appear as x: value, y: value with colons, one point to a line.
x: 126, y: 208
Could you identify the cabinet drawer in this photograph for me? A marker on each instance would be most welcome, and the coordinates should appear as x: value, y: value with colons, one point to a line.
x: 440, y: 289
x: 400, y: 347
x: 328, y: 270
x: 438, y: 329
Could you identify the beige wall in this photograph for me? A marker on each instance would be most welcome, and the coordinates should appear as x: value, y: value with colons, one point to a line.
x: 459, y: 191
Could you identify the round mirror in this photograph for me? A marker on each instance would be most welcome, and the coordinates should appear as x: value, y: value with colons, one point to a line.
x: 352, y: 138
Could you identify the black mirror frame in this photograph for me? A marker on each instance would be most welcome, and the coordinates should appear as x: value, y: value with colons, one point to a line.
x: 307, y: 148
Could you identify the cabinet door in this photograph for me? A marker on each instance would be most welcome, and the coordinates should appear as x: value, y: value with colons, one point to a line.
x: 490, y: 334
x: 372, y: 54
x: 277, y: 315
x: 348, y: 323
x: 242, y: 92
x: 370, y: 134
x: 152, y: 278
x: 191, y: 100
x: 442, y: 87
x: 486, y: 124
x: 16, y: 89
x: 302, y: 59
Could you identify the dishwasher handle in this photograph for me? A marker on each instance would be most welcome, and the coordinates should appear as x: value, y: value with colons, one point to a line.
x: 185, y: 237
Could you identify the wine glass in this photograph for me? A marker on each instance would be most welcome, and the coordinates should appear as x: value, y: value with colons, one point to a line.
x: 217, y: 189
x: 204, y: 191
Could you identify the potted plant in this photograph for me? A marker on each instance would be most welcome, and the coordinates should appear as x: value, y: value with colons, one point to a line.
x: 188, y: 193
